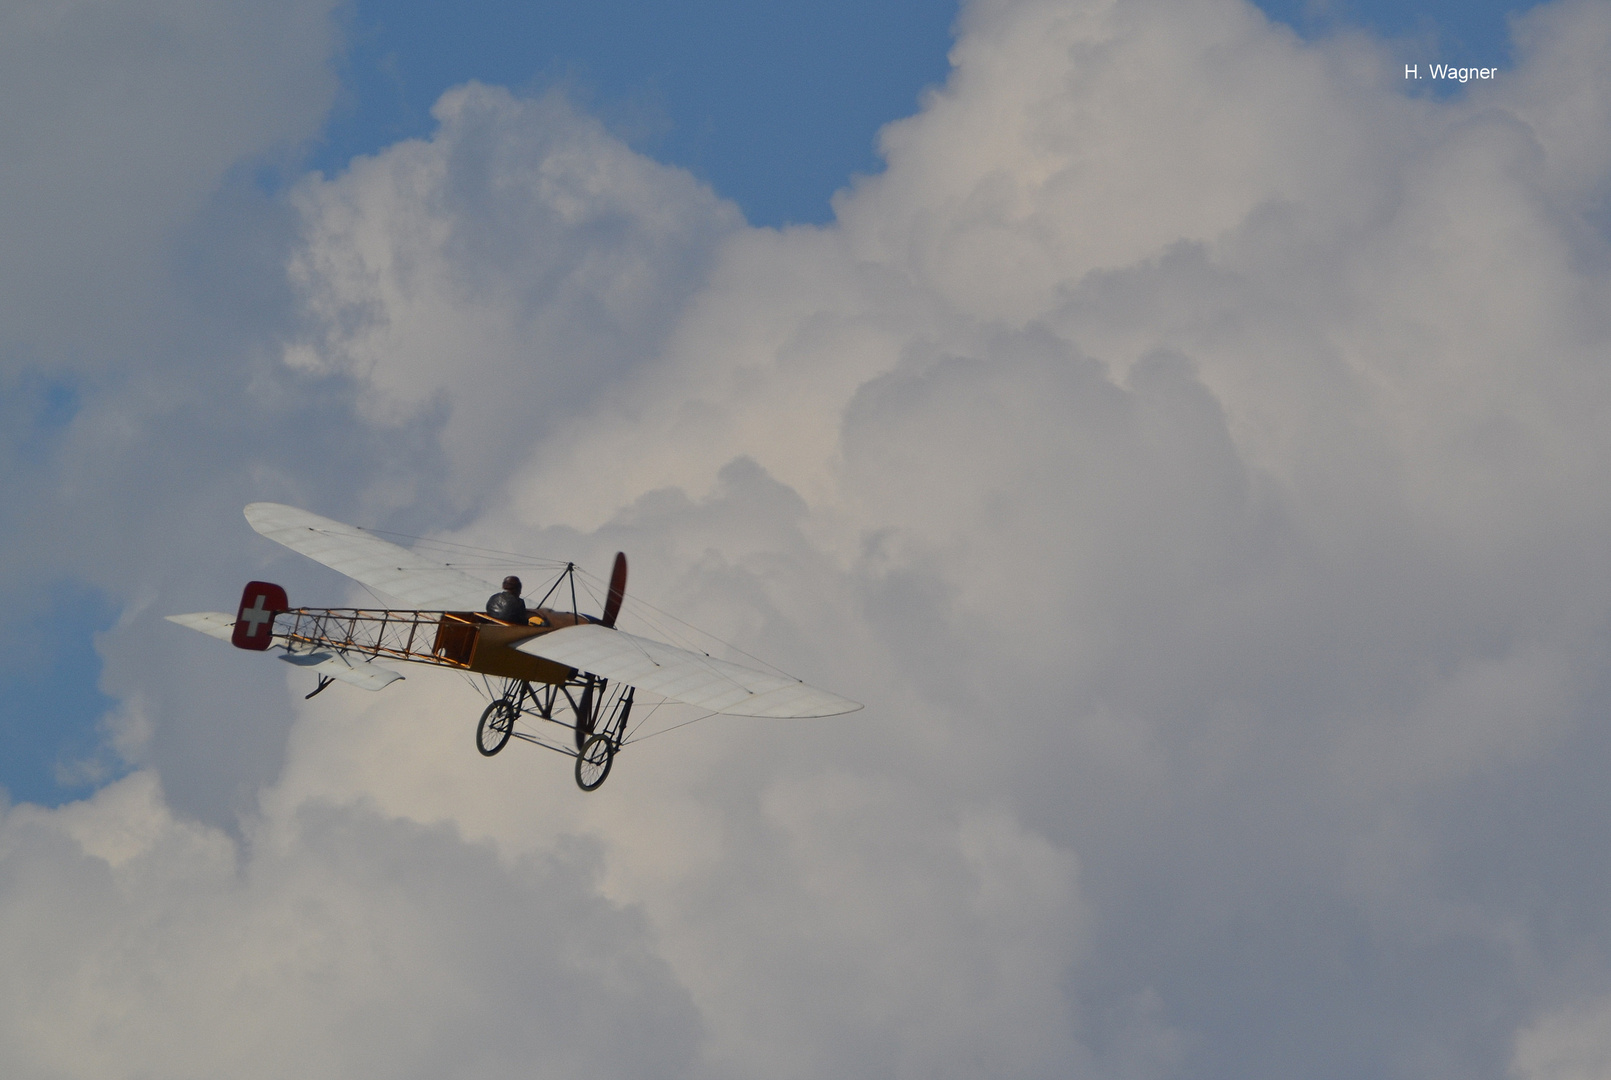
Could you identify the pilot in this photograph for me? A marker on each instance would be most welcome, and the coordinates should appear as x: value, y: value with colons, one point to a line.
x: 508, y: 605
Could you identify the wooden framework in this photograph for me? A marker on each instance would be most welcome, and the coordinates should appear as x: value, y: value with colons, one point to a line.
x: 463, y: 640
x: 472, y: 642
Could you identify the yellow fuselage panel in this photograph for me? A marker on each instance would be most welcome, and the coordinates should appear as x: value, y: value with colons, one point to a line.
x: 494, y: 654
x: 486, y: 646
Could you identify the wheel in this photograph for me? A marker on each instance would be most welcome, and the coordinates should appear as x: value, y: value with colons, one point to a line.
x: 593, y: 763
x: 497, y: 723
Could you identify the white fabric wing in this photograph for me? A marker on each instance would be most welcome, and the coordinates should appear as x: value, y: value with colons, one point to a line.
x: 689, y: 677
x: 383, y: 566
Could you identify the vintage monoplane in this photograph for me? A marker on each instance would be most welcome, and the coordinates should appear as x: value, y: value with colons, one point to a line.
x: 552, y: 668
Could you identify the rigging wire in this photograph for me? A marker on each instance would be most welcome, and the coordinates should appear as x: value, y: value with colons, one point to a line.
x: 635, y: 603
x: 673, y: 727
x: 642, y: 720
x: 693, y: 650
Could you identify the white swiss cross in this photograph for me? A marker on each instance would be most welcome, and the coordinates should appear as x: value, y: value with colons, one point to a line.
x: 255, y: 616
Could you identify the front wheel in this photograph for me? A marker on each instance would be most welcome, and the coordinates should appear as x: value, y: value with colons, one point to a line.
x: 497, y: 724
x: 594, y: 761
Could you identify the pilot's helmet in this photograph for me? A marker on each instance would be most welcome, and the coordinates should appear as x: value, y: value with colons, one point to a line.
x: 511, y: 584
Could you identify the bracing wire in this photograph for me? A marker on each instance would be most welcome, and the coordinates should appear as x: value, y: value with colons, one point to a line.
x: 635, y: 605
x: 692, y: 647
x: 673, y: 727
x: 642, y: 720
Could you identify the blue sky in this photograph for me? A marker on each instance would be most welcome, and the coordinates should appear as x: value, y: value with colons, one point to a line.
x: 776, y: 106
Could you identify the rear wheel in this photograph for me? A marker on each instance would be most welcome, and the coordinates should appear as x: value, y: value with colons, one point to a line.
x: 594, y: 761
x: 497, y: 724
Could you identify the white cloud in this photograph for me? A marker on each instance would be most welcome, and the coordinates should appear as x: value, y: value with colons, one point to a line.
x: 1573, y: 1046
x: 346, y: 943
x: 505, y: 271
x: 1189, y: 449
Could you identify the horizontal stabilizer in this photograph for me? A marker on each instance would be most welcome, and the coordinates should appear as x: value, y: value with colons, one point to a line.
x: 212, y: 623
x: 690, y: 677
x: 334, y: 665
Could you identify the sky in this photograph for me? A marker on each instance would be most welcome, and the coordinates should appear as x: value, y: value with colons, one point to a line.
x: 775, y: 107
x: 1184, y: 433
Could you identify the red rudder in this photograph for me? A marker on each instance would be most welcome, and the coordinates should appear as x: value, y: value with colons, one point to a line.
x: 254, y: 621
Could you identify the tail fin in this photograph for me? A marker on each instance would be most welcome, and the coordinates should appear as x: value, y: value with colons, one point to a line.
x: 254, y: 621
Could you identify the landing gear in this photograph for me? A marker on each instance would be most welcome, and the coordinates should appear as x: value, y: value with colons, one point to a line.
x: 497, y: 724
x: 594, y: 761
x: 583, y: 717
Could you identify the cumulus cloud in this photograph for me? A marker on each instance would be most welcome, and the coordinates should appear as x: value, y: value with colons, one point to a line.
x: 503, y: 272
x: 335, y: 942
x: 1189, y: 448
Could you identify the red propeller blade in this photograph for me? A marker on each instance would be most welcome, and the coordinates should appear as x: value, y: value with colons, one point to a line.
x: 612, y: 603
